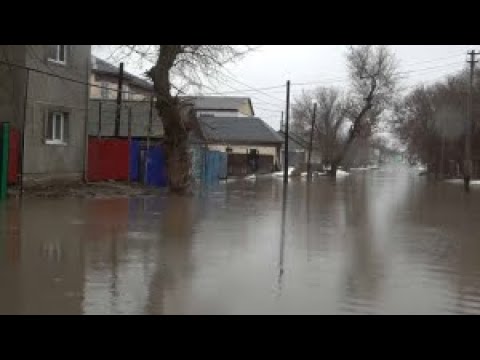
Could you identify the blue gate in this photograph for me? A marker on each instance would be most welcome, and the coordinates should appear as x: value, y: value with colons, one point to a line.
x: 134, y: 163
x: 156, y: 167
x: 215, y: 167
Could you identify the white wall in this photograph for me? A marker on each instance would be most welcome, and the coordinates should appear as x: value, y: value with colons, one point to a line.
x: 220, y: 113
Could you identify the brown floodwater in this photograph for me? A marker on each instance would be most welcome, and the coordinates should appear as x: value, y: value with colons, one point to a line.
x: 377, y: 242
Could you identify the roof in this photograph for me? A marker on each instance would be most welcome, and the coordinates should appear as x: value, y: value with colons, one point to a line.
x: 219, y: 102
x: 240, y: 130
x: 100, y: 66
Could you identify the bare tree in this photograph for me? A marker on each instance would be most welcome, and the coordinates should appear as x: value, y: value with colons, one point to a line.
x: 175, y: 69
x: 372, y: 71
x: 332, y: 110
x: 429, y: 120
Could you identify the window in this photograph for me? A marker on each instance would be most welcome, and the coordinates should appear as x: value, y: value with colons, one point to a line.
x: 58, y: 53
x: 105, y: 90
x: 204, y: 114
x: 57, y: 128
x: 125, y: 92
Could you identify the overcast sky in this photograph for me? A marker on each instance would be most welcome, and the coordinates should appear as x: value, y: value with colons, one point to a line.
x: 273, y: 65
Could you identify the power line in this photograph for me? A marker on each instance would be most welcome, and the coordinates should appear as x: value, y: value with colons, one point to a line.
x: 87, y: 82
x: 259, y: 91
x: 435, y: 60
x: 246, y: 90
x: 66, y: 78
x: 264, y: 101
x: 330, y: 80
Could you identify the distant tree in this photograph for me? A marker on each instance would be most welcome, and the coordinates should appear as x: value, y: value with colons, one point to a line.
x: 429, y: 120
x: 354, y: 114
x: 373, y: 79
x: 332, y: 110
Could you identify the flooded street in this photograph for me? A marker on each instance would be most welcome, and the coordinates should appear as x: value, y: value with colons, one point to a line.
x: 376, y: 242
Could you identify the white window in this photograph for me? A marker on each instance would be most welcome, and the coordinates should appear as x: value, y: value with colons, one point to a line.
x: 57, y: 128
x: 58, y: 54
x: 105, y: 90
x: 125, y: 92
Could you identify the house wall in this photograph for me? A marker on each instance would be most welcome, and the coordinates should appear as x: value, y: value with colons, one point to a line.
x: 270, y: 150
x: 298, y: 158
x: 135, y: 92
x: 12, y: 84
x: 56, y: 162
x: 220, y: 113
x: 246, y: 110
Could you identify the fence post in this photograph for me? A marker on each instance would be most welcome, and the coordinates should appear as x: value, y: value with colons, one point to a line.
x: 129, y: 140
x: 99, y: 134
x: 149, y: 131
x: 5, y: 135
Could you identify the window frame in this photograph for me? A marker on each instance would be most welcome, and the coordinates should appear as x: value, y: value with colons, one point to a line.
x: 57, y: 55
x: 51, y: 139
x: 106, y: 89
x: 125, y: 92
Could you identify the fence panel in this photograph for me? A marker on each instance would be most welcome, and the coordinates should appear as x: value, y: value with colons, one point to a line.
x: 134, y: 166
x: 13, y: 156
x: 156, y: 167
x: 108, y: 159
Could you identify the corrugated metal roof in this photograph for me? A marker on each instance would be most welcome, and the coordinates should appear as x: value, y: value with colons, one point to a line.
x: 238, y: 130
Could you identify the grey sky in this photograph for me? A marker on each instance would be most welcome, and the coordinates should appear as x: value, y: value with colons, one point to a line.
x: 273, y: 65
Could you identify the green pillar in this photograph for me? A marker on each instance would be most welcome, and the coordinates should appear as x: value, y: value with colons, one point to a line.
x: 5, y: 142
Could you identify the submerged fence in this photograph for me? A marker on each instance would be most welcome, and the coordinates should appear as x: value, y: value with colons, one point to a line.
x: 208, y: 166
x: 124, y: 160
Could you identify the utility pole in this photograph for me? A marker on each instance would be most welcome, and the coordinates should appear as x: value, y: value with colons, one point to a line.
x: 149, y: 131
x: 129, y: 136
x: 310, y: 145
x: 281, y: 123
x: 287, y: 113
x: 99, y: 131
x: 119, y: 101
x: 467, y: 166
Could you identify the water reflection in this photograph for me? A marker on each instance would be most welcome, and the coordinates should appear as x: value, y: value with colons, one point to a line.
x: 376, y: 242
x: 282, y: 239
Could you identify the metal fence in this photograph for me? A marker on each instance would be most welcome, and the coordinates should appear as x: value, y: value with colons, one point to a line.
x: 102, y: 113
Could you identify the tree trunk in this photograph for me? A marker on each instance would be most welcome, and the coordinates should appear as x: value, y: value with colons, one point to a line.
x: 333, y: 170
x: 176, y: 146
x: 178, y: 167
x: 175, y: 127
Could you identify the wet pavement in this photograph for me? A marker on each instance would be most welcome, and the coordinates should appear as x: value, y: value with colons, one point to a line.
x: 375, y: 242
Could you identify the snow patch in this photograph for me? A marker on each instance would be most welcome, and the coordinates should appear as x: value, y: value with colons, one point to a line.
x: 280, y: 173
x: 460, y: 181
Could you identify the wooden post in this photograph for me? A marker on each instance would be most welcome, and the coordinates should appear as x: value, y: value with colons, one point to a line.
x: 129, y: 137
x: 149, y: 131
x: 119, y: 101
x: 287, y: 113
x: 467, y: 167
x: 99, y: 133
x: 24, y: 125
